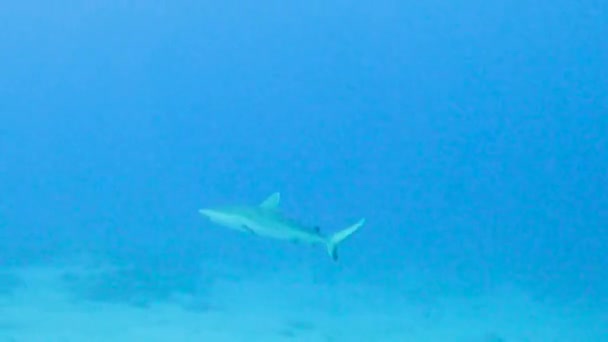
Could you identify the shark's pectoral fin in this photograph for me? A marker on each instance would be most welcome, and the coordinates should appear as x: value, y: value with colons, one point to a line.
x: 272, y: 202
x: 248, y: 229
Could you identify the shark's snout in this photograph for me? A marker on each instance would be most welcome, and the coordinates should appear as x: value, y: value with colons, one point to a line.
x: 222, y: 217
x: 206, y: 212
x: 214, y: 215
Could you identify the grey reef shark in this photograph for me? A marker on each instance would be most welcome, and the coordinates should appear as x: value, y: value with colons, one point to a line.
x: 266, y: 220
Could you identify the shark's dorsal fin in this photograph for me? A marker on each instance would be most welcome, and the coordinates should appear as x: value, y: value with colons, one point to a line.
x: 272, y: 202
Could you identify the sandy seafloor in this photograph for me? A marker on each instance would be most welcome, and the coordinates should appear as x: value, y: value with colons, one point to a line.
x: 50, y: 303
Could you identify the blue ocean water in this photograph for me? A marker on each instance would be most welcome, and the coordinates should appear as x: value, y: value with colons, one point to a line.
x: 472, y: 136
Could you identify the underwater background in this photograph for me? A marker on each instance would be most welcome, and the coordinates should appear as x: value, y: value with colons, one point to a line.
x: 472, y: 136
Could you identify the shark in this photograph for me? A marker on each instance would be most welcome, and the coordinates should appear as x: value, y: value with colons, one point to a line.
x: 266, y: 220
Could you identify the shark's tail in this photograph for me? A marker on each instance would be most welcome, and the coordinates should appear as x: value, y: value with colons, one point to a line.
x: 337, y: 238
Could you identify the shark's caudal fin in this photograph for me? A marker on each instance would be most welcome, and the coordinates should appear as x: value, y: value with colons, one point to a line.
x: 334, y: 240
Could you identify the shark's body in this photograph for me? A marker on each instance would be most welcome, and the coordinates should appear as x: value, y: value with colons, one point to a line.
x: 267, y: 221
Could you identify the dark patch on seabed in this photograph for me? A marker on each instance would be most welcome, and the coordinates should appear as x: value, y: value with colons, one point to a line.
x: 488, y: 337
x: 138, y: 287
x: 6, y: 330
x: 6, y: 338
x: 142, y: 287
x: 9, y: 283
x: 293, y: 328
